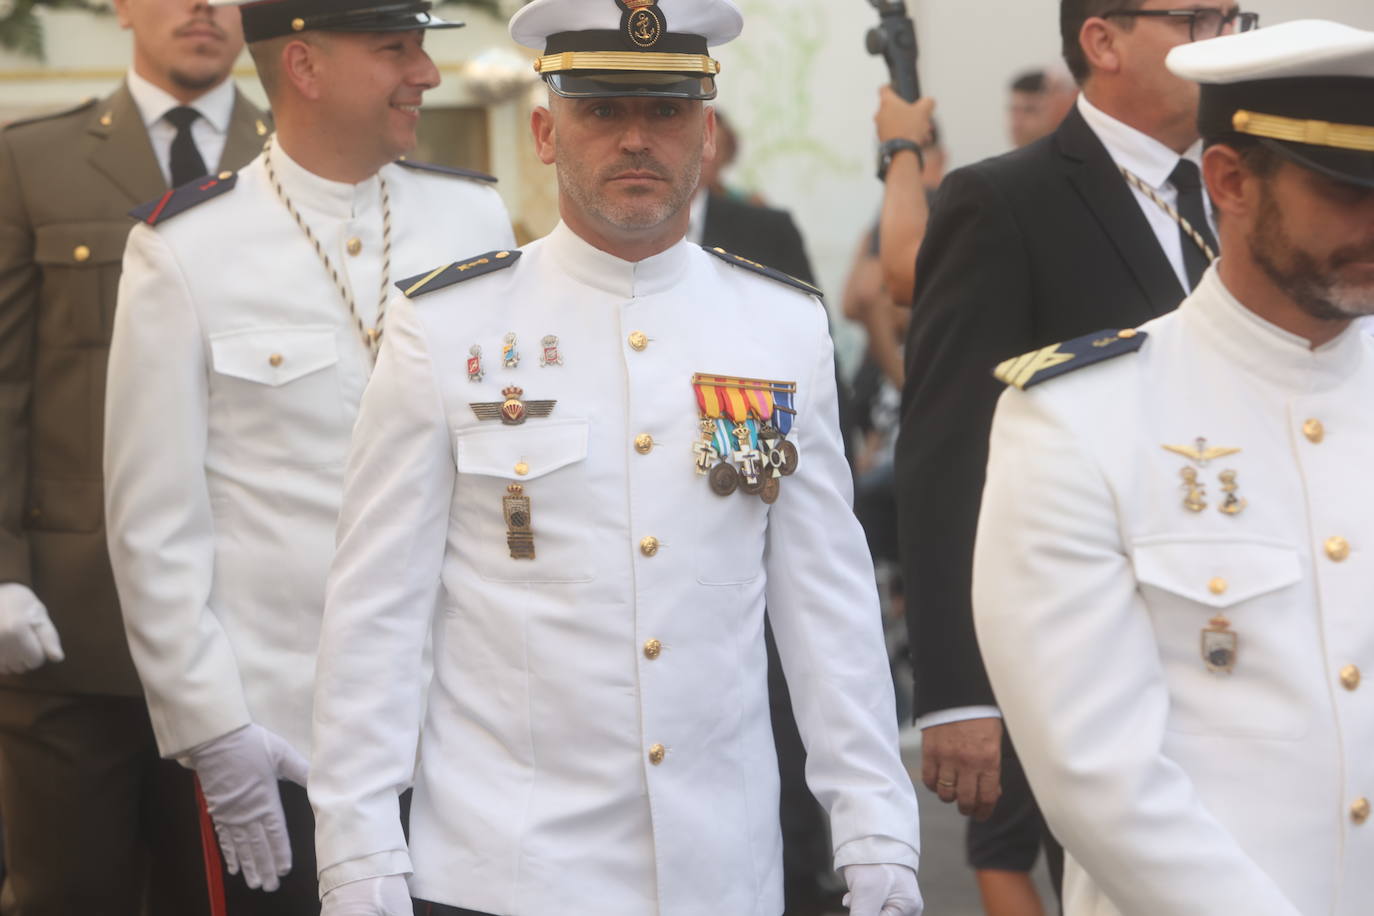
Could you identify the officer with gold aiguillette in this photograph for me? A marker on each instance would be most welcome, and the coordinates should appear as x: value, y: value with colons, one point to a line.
x: 591, y: 538
x: 250, y: 313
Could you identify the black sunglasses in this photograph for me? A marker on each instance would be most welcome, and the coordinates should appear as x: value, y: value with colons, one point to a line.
x: 1202, y: 22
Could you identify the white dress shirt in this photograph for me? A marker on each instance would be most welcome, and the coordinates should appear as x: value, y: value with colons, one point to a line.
x: 209, y: 130
x: 1153, y: 163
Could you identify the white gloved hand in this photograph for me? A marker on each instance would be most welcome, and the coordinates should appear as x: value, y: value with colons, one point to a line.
x: 882, y: 890
x: 238, y: 773
x: 28, y: 639
x: 386, y: 896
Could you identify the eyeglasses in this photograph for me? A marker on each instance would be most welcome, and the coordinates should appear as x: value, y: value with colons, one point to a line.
x: 1203, y: 22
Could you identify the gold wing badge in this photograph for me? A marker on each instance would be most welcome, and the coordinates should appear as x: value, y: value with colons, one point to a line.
x: 1195, y: 490
x: 512, y: 411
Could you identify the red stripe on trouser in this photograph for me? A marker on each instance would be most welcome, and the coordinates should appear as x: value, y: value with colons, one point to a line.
x: 209, y: 848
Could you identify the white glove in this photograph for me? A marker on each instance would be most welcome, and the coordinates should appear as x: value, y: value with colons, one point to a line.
x: 386, y: 896
x: 238, y: 773
x: 882, y: 890
x: 27, y: 637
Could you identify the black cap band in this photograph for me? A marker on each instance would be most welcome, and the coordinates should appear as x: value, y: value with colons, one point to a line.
x: 275, y: 18
x: 1246, y: 109
x: 612, y: 40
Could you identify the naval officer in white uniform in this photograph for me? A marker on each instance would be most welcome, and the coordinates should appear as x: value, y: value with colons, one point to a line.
x: 249, y: 315
x: 602, y: 455
x: 1175, y: 559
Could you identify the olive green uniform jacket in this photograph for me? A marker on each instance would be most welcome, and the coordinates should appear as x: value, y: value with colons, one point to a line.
x: 67, y: 183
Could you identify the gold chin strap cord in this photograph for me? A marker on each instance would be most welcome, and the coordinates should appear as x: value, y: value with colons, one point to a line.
x: 627, y: 60
x: 1357, y: 137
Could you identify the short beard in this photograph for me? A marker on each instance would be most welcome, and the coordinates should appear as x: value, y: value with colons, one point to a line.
x: 1299, y: 275
x: 583, y: 189
x: 194, y: 82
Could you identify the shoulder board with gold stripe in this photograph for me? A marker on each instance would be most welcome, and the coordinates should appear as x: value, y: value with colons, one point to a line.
x: 1030, y: 369
x: 457, y: 272
x: 768, y: 272
x: 447, y: 170
x: 179, y: 200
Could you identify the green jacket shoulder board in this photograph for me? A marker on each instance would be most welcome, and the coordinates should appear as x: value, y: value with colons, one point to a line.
x: 770, y: 273
x: 457, y: 272
x: 50, y: 115
x: 1030, y: 369
x: 179, y: 200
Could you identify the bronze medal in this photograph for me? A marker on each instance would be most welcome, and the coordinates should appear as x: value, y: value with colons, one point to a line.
x: 753, y: 486
x: 772, y: 489
x: 724, y: 479
x: 790, y: 458
x: 1219, y: 645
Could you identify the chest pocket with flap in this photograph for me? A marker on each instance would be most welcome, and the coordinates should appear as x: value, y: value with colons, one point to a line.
x: 1255, y: 584
x: 81, y: 263
x: 548, y: 459
x: 280, y: 390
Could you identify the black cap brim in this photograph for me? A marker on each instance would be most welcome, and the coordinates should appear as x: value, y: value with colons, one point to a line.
x: 631, y: 84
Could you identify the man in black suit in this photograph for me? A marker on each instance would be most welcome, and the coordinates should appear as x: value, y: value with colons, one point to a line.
x: 1047, y: 243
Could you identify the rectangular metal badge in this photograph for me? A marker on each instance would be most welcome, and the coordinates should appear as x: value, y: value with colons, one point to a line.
x: 519, y: 531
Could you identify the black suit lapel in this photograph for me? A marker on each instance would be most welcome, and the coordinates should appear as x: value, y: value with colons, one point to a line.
x: 1105, y: 193
x: 120, y: 148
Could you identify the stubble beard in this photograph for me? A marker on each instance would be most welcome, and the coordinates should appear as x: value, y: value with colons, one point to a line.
x: 1299, y: 275
x: 629, y: 215
x: 197, y: 82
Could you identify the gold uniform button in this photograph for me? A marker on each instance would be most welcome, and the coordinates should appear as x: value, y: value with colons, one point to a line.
x: 81, y: 253
x: 502, y: 255
x: 658, y: 752
x: 355, y: 247
x: 653, y: 649
x: 649, y: 546
x: 260, y: 127
x: 644, y: 443
x: 106, y: 119
x: 275, y: 360
x: 1314, y: 431
x: 1338, y: 549
x: 1350, y: 677
x: 522, y: 469
x: 1359, y: 812
x: 1218, y: 586
x: 638, y: 341
x: 297, y: 24
x: 1128, y: 333
x: 225, y: 176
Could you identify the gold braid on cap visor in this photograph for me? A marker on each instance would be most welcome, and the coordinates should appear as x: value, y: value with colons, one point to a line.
x: 1356, y: 137
x: 628, y: 61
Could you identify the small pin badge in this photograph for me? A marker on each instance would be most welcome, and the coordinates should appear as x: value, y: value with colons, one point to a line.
x: 548, y: 352
x: 1201, y: 455
x: 475, y: 371
x: 519, y: 528
x: 513, y: 410
x: 510, y: 357
x: 1233, y: 504
x: 1195, y: 492
x: 1219, y: 645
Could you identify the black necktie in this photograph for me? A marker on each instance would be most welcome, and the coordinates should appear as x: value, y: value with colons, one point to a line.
x: 1187, y: 180
x: 186, y: 162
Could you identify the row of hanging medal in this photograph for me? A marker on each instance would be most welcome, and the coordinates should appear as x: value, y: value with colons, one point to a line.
x: 744, y: 425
